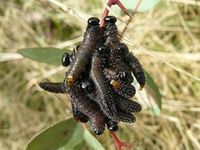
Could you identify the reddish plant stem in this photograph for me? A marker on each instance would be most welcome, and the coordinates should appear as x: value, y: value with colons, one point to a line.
x: 106, y: 11
x: 118, y: 143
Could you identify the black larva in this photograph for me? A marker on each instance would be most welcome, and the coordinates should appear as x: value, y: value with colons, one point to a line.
x: 91, y: 39
x: 121, y: 59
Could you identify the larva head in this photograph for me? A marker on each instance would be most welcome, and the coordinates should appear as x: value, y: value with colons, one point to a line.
x: 93, y: 32
x: 110, y: 30
x: 93, y: 21
x: 110, y: 20
x: 112, y: 125
x: 66, y: 59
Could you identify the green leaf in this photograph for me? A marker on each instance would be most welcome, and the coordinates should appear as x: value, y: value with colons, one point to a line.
x: 145, y: 5
x: 62, y: 135
x: 153, y: 89
x: 46, y: 54
x: 92, y: 141
x: 75, y: 139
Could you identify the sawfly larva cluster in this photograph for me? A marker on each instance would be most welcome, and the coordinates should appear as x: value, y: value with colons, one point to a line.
x: 99, y: 78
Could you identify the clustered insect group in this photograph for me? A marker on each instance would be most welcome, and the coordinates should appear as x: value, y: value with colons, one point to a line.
x: 99, y: 78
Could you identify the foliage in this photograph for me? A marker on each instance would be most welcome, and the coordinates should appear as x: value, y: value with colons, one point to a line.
x: 63, y: 135
x: 47, y: 55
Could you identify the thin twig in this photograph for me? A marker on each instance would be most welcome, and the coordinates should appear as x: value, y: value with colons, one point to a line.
x: 130, y: 19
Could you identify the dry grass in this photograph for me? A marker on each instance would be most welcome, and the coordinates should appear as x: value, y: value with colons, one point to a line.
x: 166, y: 40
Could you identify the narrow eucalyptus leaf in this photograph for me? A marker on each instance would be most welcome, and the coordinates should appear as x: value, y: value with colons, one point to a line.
x: 46, y: 55
x: 58, y: 136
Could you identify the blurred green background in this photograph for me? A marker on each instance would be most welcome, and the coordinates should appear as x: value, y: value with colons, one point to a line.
x: 165, y: 38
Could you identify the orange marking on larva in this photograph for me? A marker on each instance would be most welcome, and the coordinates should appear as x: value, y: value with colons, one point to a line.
x: 70, y: 80
x: 116, y: 84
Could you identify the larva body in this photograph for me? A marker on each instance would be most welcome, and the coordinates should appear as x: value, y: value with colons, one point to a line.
x: 106, y: 96
x: 104, y: 90
x: 88, y: 108
x: 137, y: 69
x: 117, y: 55
x: 92, y: 38
x: 53, y: 87
x: 121, y: 59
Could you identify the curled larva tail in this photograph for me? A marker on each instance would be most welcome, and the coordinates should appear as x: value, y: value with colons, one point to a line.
x: 53, y: 87
x: 126, y: 117
x: 127, y: 105
x: 137, y: 69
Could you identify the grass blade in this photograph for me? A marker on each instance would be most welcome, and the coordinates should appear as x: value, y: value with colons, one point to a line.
x: 92, y: 141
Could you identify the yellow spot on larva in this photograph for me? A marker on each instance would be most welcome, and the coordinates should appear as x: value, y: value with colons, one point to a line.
x: 70, y: 80
x: 116, y: 84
